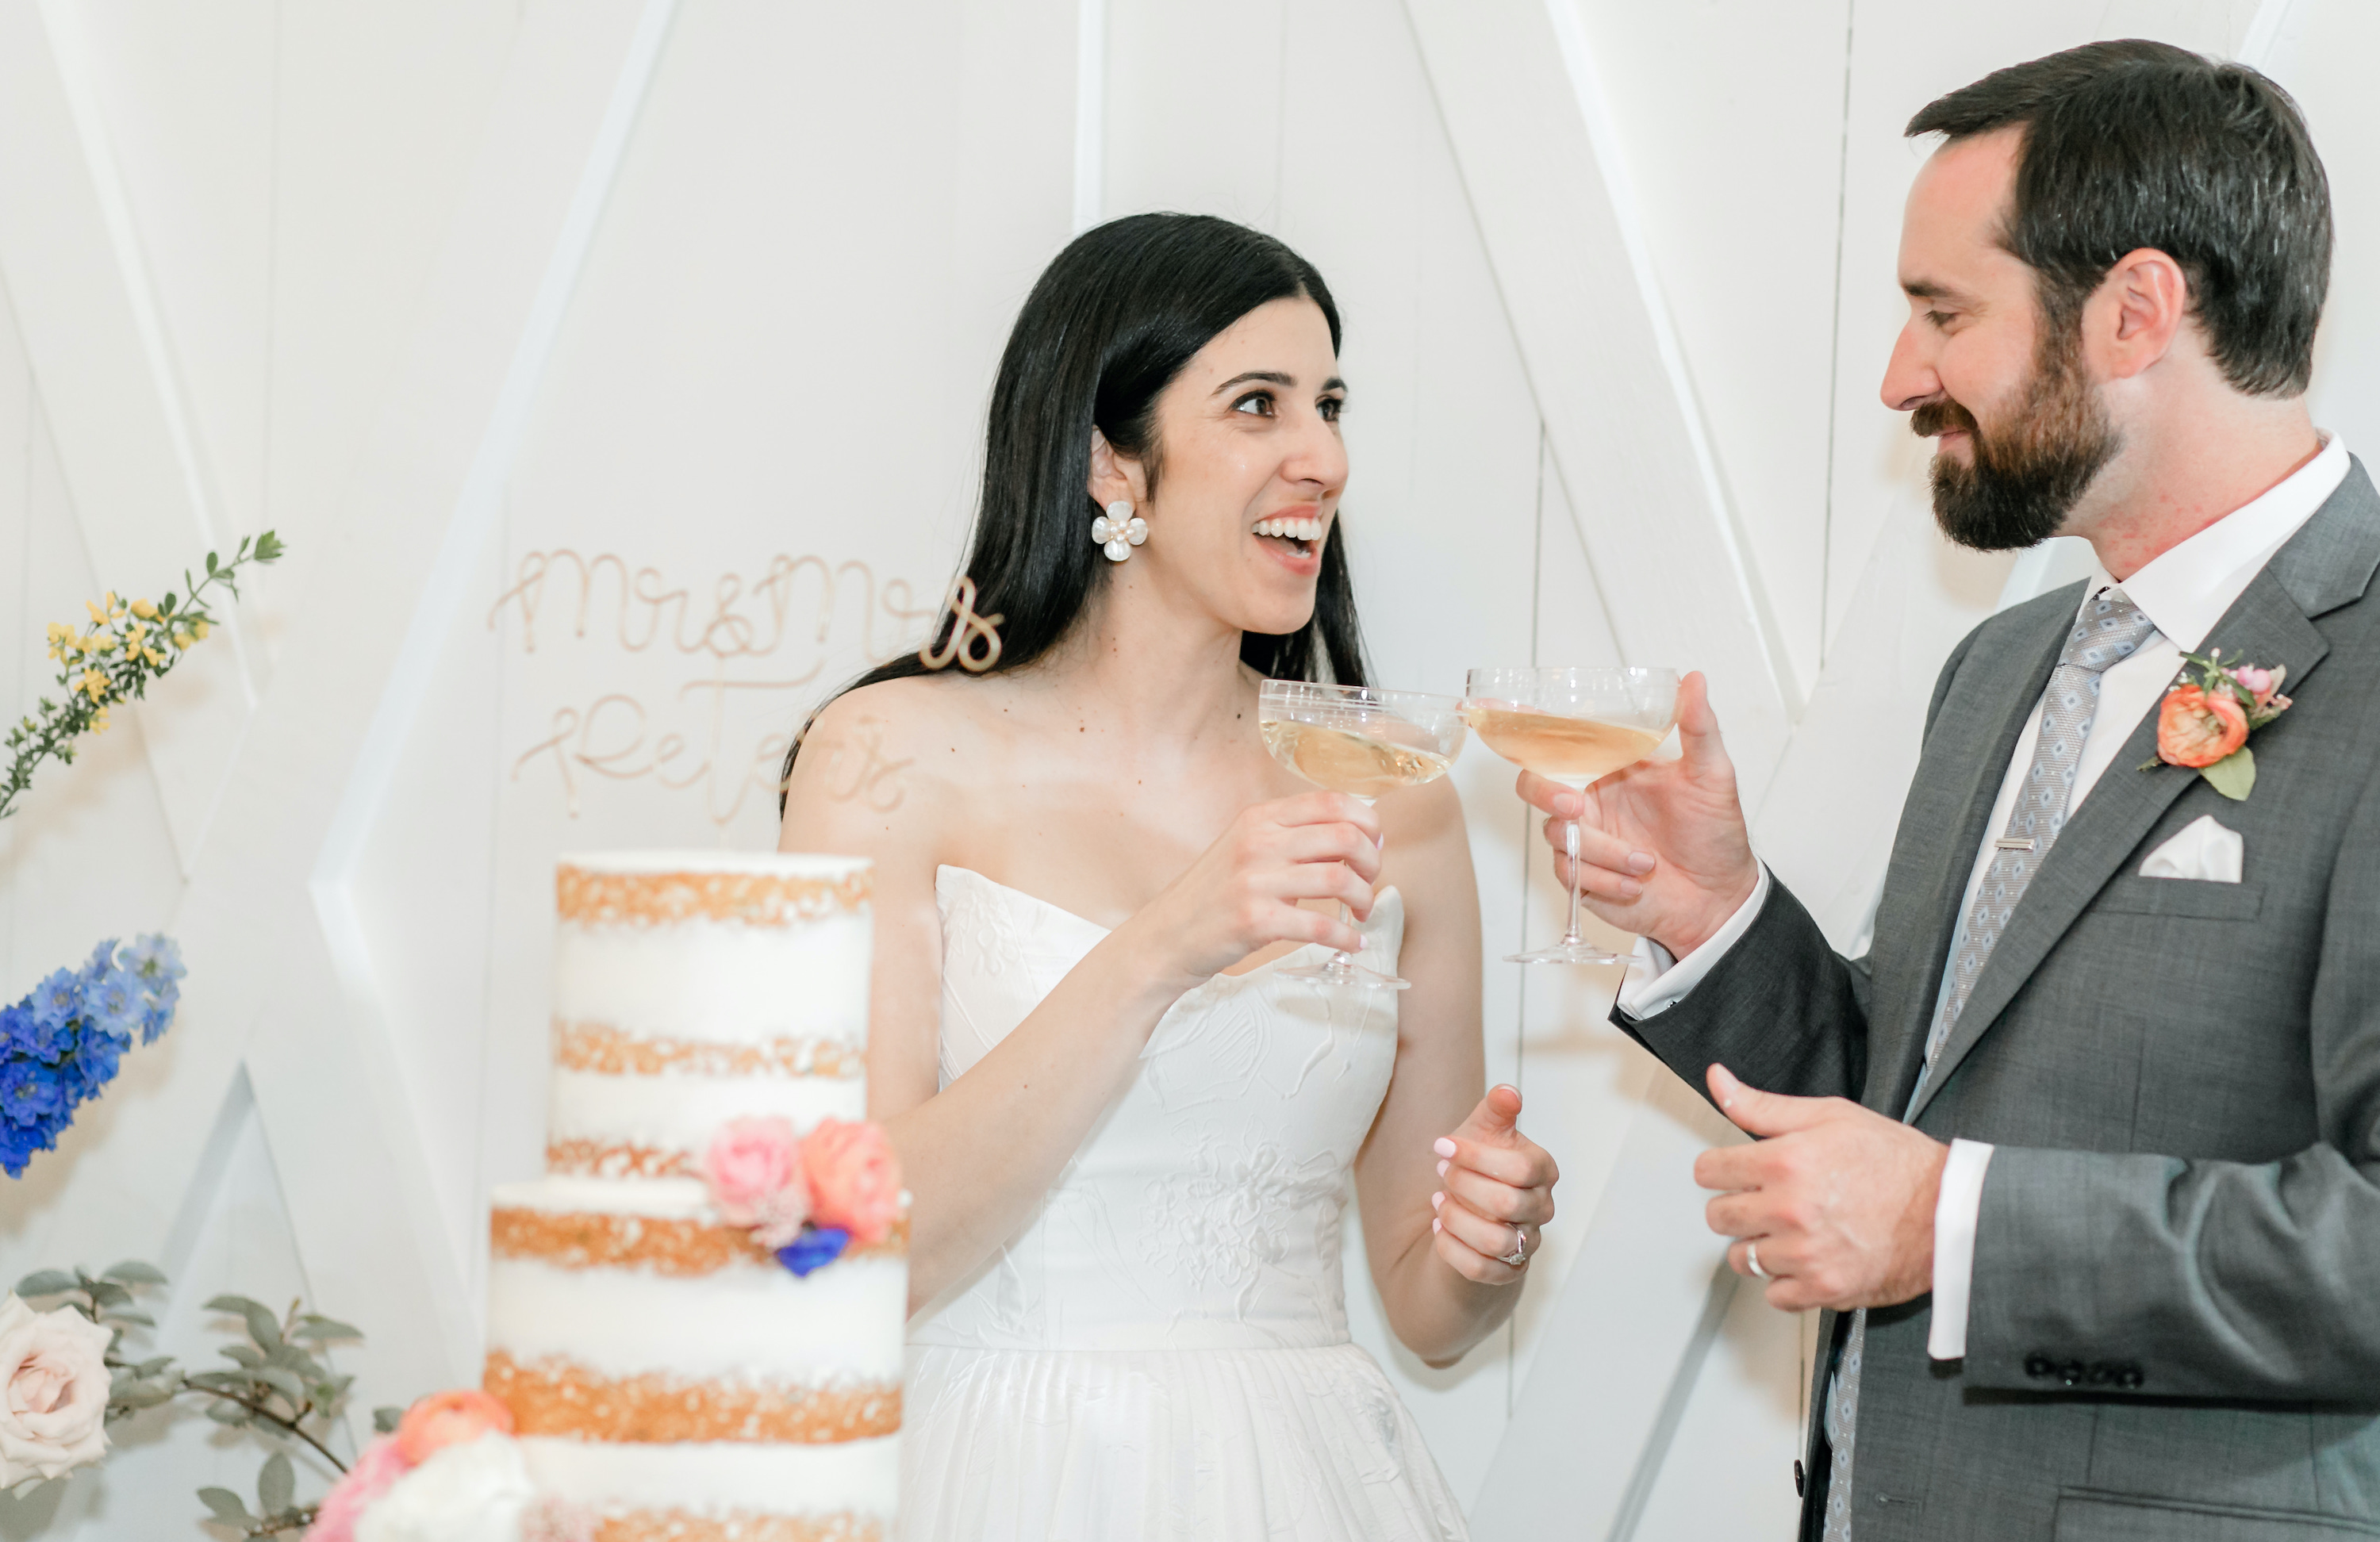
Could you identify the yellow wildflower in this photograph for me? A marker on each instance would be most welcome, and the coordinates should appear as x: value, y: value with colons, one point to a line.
x: 199, y: 628
x: 97, y: 615
x: 182, y: 639
x: 153, y: 656
x: 143, y: 609
x: 115, y: 606
x: 99, y: 720
x: 94, y: 684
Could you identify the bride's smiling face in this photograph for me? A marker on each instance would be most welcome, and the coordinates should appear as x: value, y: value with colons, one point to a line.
x: 1249, y: 469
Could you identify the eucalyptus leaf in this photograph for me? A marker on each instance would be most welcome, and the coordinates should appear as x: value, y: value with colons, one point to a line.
x: 319, y: 1329
x: 264, y: 1326
x: 228, y: 1507
x: 148, y: 1394
x: 151, y: 1367
x: 244, y: 1354
x: 283, y: 1382
x: 47, y: 1281
x: 132, y: 1271
x: 2234, y: 776
x: 236, y: 1303
x: 276, y: 1485
x: 221, y: 1381
x: 106, y: 1293
x: 385, y: 1420
x: 229, y: 1414
x: 123, y: 1315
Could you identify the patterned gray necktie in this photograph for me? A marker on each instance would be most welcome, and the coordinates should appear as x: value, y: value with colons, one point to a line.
x: 2111, y: 628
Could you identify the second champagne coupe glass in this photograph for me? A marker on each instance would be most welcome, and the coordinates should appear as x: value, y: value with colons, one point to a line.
x: 1572, y: 726
x: 1363, y: 742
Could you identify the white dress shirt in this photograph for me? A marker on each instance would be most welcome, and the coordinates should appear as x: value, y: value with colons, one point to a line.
x: 2185, y: 592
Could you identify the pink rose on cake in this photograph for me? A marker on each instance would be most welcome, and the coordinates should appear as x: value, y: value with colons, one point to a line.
x: 754, y: 1169
x: 855, y: 1178
x: 382, y: 1463
x: 55, y: 1367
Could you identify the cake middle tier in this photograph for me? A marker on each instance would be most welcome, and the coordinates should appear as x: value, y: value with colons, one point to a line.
x: 620, y: 1312
x: 608, y: 1123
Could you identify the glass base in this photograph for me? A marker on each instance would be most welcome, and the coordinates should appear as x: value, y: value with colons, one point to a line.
x: 1568, y: 952
x: 1339, y: 972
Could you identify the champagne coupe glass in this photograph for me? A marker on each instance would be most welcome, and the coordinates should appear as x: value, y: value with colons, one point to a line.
x: 1363, y: 742
x: 1571, y: 726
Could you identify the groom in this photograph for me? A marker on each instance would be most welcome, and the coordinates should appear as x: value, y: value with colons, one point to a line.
x: 2084, y: 1157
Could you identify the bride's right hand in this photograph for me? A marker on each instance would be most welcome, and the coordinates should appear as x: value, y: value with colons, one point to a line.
x: 1242, y: 894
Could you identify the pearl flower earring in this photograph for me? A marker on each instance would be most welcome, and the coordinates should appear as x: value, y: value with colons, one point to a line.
x: 1119, y: 529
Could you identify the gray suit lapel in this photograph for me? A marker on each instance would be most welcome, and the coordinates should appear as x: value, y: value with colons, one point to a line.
x: 1958, y: 779
x: 2330, y: 562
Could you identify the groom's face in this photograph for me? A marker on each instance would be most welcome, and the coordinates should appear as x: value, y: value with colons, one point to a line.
x: 2020, y: 433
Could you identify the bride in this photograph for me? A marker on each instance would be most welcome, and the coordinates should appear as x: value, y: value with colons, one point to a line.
x: 1128, y: 1141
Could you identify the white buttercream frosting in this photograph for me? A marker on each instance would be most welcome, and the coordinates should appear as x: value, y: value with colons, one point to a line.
x: 682, y: 1114
x: 718, y: 981
x: 720, y: 1477
x: 840, y: 1325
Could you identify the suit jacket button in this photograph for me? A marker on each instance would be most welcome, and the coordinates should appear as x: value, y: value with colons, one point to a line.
x: 2103, y: 1374
x: 2071, y: 1373
x: 2129, y: 1378
x: 2040, y: 1366
x: 1799, y: 1491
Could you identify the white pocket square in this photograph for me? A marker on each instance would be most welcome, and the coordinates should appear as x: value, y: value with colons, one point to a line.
x: 2202, y: 849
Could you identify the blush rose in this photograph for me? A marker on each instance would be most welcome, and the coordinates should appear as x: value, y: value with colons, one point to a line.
x: 754, y: 1171
x: 53, y: 1417
x: 855, y: 1178
x: 2196, y: 730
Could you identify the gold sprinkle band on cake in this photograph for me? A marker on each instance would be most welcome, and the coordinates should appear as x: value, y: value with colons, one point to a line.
x: 660, y: 899
x: 611, y: 1158
x: 604, y: 1239
x: 739, y: 1525
x: 607, y: 1052
x: 558, y: 1397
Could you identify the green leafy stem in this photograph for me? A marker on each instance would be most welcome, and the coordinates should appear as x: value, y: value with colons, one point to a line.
x: 276, y: 1383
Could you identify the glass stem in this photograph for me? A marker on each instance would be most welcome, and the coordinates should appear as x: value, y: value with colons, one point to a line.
x: 1341, y: 962
x: 1571, y: 938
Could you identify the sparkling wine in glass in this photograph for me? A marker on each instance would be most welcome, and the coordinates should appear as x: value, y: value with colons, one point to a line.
x: 1574, y: 726
x: 1361, y: 741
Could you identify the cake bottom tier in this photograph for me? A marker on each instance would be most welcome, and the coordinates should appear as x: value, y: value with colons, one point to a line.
x: 725, y: 1491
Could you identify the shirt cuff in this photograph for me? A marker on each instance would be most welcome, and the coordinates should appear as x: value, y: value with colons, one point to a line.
x: 1958, y: 1210
x: 1657, y: 982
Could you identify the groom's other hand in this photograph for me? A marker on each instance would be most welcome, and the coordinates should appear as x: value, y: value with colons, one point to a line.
x: 1837, y: 1198
x: 1663, y: 852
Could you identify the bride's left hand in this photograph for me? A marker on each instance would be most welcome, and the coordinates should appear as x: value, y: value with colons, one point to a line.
x: 1499, y: 1186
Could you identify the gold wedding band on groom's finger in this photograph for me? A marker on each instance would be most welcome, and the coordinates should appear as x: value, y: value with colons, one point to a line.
x: 1752, y: 1261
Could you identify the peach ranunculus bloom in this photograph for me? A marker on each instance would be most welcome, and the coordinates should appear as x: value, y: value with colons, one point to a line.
x: 382, y: 1463
x: 2196, y: 729
x: 444, y: 1419
x: 754, y: 1171
x: 54, y: 1404
x: 854, y: 1178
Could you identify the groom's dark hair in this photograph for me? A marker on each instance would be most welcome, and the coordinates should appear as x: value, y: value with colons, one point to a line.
x: 2134, y: 144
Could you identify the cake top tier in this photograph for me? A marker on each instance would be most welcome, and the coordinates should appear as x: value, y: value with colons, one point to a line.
x: 662, y: 888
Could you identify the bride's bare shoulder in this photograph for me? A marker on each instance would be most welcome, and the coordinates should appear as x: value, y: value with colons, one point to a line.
x: 881, y: 764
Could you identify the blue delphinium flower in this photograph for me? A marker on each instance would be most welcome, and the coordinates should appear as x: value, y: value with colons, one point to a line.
x: 31, y: 1094
x: 112, y: 1006
x: 56, y: 998
x: 64, y: 1042
x: 155, y: 962
x: 814, y: 1249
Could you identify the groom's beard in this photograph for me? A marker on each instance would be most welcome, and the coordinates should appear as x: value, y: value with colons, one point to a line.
x: 2027, y: 474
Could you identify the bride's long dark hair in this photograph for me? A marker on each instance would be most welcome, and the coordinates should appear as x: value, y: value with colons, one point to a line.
x: 1109, y: 325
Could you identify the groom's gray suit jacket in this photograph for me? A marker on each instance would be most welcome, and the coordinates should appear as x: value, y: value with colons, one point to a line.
x: 2175, y: 1324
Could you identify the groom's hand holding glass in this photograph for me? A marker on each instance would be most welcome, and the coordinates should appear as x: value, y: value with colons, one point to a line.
x: 1838, y: 1200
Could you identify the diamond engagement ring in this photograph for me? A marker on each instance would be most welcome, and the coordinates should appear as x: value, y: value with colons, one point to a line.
x: 1751, y: 1260
x: 1519, y: 1256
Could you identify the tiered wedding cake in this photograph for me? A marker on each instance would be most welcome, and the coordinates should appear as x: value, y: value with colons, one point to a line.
x: 666, y: 1369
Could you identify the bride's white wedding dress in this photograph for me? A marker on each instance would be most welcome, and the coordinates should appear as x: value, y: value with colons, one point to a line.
x: 1163, y: 1351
